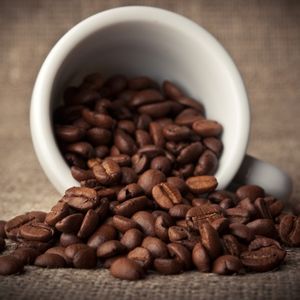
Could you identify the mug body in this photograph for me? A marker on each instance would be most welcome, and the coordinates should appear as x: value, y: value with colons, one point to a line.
x: 139, y: 40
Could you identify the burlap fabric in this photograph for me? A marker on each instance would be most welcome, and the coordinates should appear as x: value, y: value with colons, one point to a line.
x: 264, y: 39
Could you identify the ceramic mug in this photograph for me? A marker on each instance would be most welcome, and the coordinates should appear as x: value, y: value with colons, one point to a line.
x: 139, y: 40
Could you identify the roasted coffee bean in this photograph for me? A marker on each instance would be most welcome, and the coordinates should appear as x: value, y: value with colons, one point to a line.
x: 123, y: 160
x: 130, y: 191
x: 124, y: 142
x: 85, y: 259
x: 143, y: 121
x: 124, y: 268
x: 231, y: 245
x: 104, y: 233
x: 263, y: 227
x: 70, y: 224
x: 275, y: 206
x: 161, y: 225
x: 192, y: 103
x: 181, y: 253
x: 161, y: 163
x: 98, y: 119
x: 250, y: 191
x: 171, y: 90
x: 151, y: 151
x: 81, y: 174
x: 156, y: 133
x: 237, y: 215
x: 147, y: 96
x: 157, y: 110
x: 108, y: 172
x: 149, y: 179
x: 81, y: 198
x: 128, y: 175
x: 178, y: 233
x: 218, y: 196
x: 190, y: 153
x: 261, y: 241
x: 116, y: 84
x: 110, y: 248
x: 220, y: 225
x: 106, y: 192
x: 82, y: 96
x: 2, y: 229
x: 67, y: 239
x: 40, y: 246
x: 2, y: 244
x: 179, y: 183
x: 50, y: 260
x: 127, y: 125
x: 59, y: 251
x: 263, y: 259
x: 176, y: 133
x: 131, y: 206
x: 142, y: 138
x: 201, y: 258
x: 69, y: 133
x: 103, y: 209
x: 72, y: 250
x: 26, y: 255
x: 166, y: 195
x: 289, y: 230
x: 242, y: 232
x: 140, y: 162
x: 35, y: 231
x: 123, y: 224
x: 141, y: 83
x: 248, y: 206
x: 179, y: 211
x: 227, y: 265
x: 101, y: 151
x: 142, y: 256
x: 156, y: 247
x: 132, y: 238
x: 200, y: 201
x: 89, y: 224
x: 67, y: 114
x: 145, y: 221
x: 10, y: 265
x: 207, y: 128
x: 81, y: 123
x: 262, y: 208
x: 213, y: 144
x: 207, y: 164
x: 202, y: 214
x: 185, y: 171
x: 168, y: 266
x: 210, y: 240
x: 226, y: 203
x: 98, y: 136
x: 83, y: 149
x: 201, y: 184
x: 94, y: 81
x: 188, y: 116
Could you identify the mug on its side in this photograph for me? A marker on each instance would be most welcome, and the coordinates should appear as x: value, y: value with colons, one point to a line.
x: 140, y: 40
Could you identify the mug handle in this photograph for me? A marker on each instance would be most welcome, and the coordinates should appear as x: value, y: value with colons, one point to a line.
x: 275, y: 181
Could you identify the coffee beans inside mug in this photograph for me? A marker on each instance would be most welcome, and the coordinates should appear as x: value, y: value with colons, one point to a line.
x: 145, y: 157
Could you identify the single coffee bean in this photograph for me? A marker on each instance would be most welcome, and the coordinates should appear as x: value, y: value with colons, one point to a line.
x: 39, y: 246
x: 171, y: 90
x: 247, y: 205
x: 130, y: 191
x: 132, y: 238
x: 71, y: 251
x: 181, y: 253
x: 128, y: 175
x: 108, y: 172
x: 142, y: 138
x: 124, y: 142
x: 109, y: 261
x: 123, y: 224
x: 156, y: 133
x: 161, y: 225
x: 202, y: 214
x: 207, y: 164
x: 104, y: 233
x: 81, y: 174
x: 227, y: 265
x: 35, y: 231
x: 141, y: 83
x: 250, y: 191
x: 57, y: 213
x: 157, y: 110
x: 83, y: 149
x: 261, y: 241
x: 166, y: 195
x: 210, y: 240
x: 156, y: 247
x: 110, y: 248
x: 116, y: 84
x: 125, y: 268
x: 85, y: 258
x: 50, y: 260
x: 131, y: 206
x: 2, y: 229
x: 213, y: 144
x: 10, y: 265
x: 176, y: 133
x: 263, y: 259
x: 145, y: 221
x: 98, y: 136
x: 123, y: 160
x: 69, y: 133
x: 207, y: 128
x: 201, y: 184
x: 161, y: 163
x: 178, y: 233
x: 89, y: 224
x: 242, y: 232
x: 67, y: 239
x: 101, y: 151
x: 237, y: 215
x: 149, y: 179
x: 179, y: 183
x: 263, y: 227
x: 231, y: 245
x: 59, y: 251
x: 140, y: 162
x: 289, y: 230
x: 192, y: 103
x: 168, y: 266
x: 127, y: 125
x: 142, y: 256
x: 275, y: 206
x: 190, y: 153
x: 81, y: 123
x: 143, y: 121
x: 199, y: 201
x: 70, y: 224
x: 81, y: 198
x: 82, y: 96
x: 151, y: 151
x: 98, y: 119
x: 26, y: 255
x: 188, y: 116
x: 220, y: 225
x: 179, y: 211
x: 201, y: 258
x: 148, y: 96
x: 262, y: 208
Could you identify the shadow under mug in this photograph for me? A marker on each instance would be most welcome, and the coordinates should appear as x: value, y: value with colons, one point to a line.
x: 140, y: 40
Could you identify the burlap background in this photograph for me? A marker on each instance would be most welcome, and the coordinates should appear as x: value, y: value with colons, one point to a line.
x: 264, y: 39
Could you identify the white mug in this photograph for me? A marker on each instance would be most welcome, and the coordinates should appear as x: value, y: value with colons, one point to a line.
x: 140, y: 40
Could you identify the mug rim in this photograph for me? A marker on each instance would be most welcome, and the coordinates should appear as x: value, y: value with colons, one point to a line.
x: 43, y: 139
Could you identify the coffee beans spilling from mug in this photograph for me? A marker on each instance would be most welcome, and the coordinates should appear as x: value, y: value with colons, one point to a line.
x: 148, y: 200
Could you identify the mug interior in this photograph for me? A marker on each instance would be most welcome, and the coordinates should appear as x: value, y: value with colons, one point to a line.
x: 153, y: 42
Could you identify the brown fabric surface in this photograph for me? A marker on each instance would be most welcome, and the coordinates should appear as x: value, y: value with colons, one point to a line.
x: 264, y: 39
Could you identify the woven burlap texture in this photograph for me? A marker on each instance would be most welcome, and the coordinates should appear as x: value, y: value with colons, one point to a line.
x: 263, y: 38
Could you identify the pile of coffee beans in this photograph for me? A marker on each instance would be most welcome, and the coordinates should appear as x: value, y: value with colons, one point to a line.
x: 148, y: 200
